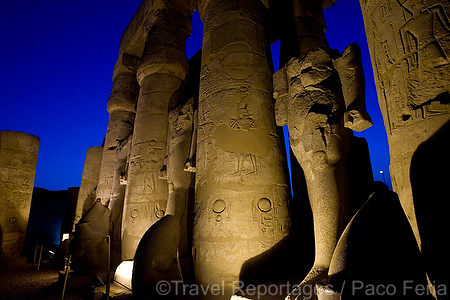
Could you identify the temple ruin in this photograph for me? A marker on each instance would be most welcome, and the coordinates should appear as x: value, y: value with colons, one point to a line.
x: 191, y: 184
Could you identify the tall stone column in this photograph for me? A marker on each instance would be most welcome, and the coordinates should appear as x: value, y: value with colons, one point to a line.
x: 122, y: 111
x: 121, y: 108
x: 161, y: 75
x: 18, y: 159
x: 89, y: 181
x: 241, y: 185
x: 409, y: 47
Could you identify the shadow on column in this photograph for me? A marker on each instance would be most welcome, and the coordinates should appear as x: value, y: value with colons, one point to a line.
x: 430, y: 179
x: 292, y: 257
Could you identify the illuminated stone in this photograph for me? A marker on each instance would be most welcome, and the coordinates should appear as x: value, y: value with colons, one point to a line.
x: 181, y: 122
x: 89, y: 180
x: 161, y: 74
x: 18, y: 159
x: 124, y: 273
x: 319, y: 94
x: 89, y: 247
x: 239, y: 152
x: 320, y: 143
x: 121, y: 108
x: 409, y: 45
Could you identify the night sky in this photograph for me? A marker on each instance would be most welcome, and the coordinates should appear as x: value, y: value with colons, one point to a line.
x: 57, y: 62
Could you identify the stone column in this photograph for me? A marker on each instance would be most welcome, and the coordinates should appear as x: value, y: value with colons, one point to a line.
x: 409, y: 47
x: 121, y: 108
x: 161, y: 75
x: 122, y: 111
x: 18, y: 159
x: 241, y: 185
x: 89, y: 180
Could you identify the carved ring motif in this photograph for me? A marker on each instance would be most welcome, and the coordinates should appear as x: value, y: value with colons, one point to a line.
x: 219, y: 206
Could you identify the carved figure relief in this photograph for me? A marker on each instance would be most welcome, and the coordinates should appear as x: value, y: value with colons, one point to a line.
x: 421, y: 37
x: 244, y: 119
x: 246, y: 164
x: 149, y: 183
x: 410, y: 41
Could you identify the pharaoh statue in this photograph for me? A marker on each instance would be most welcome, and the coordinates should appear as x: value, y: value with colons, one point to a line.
x: 320, y: 96
x: 165, y: 241
x: 181, y: 120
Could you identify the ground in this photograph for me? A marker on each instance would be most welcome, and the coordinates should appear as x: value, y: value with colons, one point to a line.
x: 20, y: 280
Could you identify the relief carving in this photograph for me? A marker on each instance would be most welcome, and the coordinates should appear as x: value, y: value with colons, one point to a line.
x: 410, y: 40
x: 422, y: 38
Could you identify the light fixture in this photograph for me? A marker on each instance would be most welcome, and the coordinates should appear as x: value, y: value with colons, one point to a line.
x: 124, y: 272
x: 65, y: 236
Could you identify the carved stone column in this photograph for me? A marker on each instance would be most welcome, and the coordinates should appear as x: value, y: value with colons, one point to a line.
x: 89, y: 181
x: 241, y: 186
x: 121, y: 108
x: 161, y: 74
x: 409, y: 47
x: 18, y: 159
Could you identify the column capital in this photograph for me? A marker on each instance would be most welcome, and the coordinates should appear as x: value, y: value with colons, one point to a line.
x: 203, y: 4
x: 124, y: 93
x: 126, y: 63
x: 171, y: 15
x: 150, y: 66
x: 165, y: 49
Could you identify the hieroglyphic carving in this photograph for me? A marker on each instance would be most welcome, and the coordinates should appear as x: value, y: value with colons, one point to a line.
x: 410, y: 44
x: 239, y: 156
x: 18, y: 159
x: 220, y: 213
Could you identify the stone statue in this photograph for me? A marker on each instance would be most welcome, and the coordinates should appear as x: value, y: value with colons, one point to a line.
x: 320, y: 96
x: 89, y: 247
x: 351, y: 75
x: 313, y: 113
x: 117, y: 198
x: 159, y: 247
x: 181, y: 120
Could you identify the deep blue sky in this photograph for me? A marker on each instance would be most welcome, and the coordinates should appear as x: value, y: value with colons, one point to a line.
x: 57, y: 62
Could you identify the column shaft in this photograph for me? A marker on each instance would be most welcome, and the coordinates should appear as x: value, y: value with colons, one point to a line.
x: 121, y: 108
x: 18, y: 159
x: 409, y: 48
x: 161, y: 75
x: 241, y: 186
